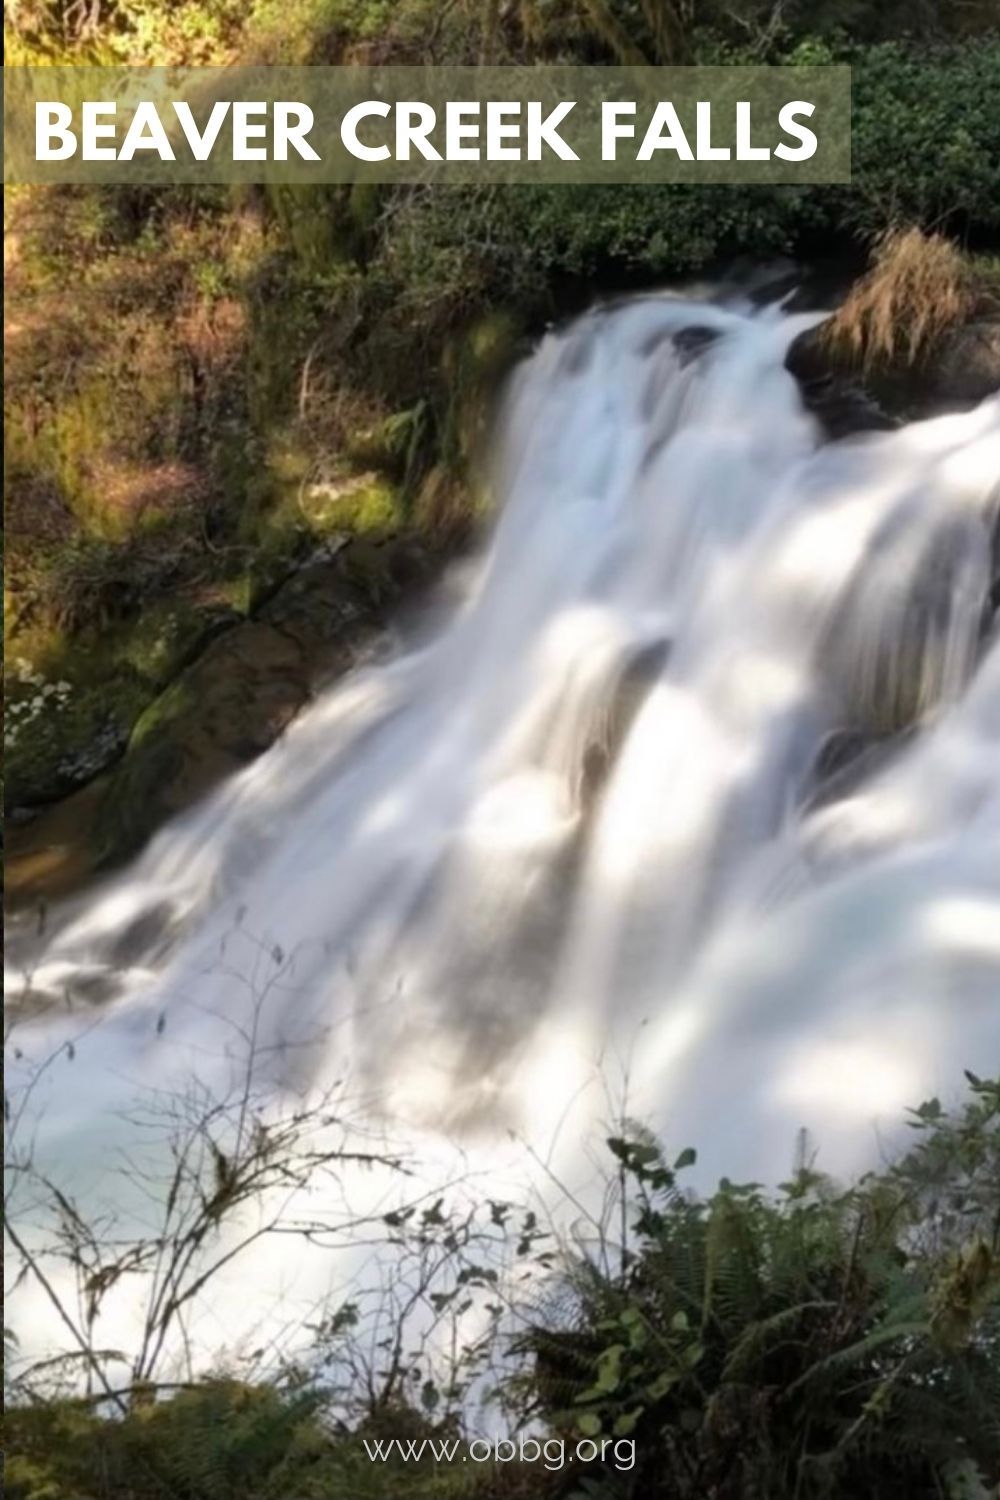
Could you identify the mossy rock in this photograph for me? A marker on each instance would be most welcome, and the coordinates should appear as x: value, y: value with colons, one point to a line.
x: 382, y: 572
x: 227, y: 706
x: 474, y: 364
x: 57, y: 742
x: 220, y: 713
x: 446, y: 511
x: 368, y: 506
x: 323, y: 610
x: 73, y: 701
x: 243, y: 691
x: 54, y: 852
x: 172, y: 631
x: 392, y: 444
x: 967, y: 368
x: 294, y: 518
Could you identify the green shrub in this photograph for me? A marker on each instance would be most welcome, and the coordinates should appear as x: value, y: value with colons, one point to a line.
x: 816, y: 1344
x: 827, y: 1343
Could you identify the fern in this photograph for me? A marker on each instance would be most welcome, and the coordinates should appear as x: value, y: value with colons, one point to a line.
x: 819, y: 1344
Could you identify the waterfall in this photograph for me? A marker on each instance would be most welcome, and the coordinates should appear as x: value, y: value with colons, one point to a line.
x: 698, y: 784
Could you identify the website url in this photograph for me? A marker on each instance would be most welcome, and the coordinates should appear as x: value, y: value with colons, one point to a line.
x: 553, y: 1453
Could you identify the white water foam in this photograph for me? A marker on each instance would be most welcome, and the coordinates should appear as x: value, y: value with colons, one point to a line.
x: 584, y: 832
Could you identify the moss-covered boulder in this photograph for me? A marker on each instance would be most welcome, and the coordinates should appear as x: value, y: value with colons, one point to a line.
x: 73, y: 701
x: 247, y: 686
x: 221, y: 712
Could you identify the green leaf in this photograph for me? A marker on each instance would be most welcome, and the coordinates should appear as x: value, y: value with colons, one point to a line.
x: 429, y: 1395
x: 661, y: 1385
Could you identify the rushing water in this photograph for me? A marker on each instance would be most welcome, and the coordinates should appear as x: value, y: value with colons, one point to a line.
x: 699, y: 785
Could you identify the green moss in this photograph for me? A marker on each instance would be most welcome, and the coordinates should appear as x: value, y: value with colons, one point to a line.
x: 73, y: 698
x: 308, y: 225
x: 100, y: 435
x: 391, y: 444
x: 474, y: 362
x: 368, y: 507
x: 168, y: 633
x: 167, y: 707
x: 61, y: 731
x: 234, y: 593
x: 493, y: 343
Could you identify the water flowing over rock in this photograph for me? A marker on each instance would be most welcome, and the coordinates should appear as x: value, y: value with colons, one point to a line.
x: 579, y: 828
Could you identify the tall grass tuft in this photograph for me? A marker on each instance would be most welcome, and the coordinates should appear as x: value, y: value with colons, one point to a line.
x: 918, y: 287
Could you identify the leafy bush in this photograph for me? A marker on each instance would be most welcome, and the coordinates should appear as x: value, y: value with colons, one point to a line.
x: 818, y: 1343
x: 829, y: 1343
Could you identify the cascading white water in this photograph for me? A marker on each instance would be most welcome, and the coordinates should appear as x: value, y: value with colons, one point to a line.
x: 597, y: 822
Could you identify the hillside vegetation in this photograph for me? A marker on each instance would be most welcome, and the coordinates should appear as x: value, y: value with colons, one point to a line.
x: 205, y: 384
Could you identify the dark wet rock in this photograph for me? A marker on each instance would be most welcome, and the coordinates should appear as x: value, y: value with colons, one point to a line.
x: 98, y: 988
x: 839, y: 398
x: 967, y: 368
x: 50, y: 851
x: 640, y: 674
x: 963, y: 370
x: 847, y: 759
x: 905, y: 632
x: 690, y: 342
x: 843, y: 406
x: 82, y: 765
x: 64, y: 732
x: 838, y: 752
x: 145, y: 934
x: 227, y: 707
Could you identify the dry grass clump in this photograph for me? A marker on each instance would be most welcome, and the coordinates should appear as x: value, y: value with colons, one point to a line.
x: 919, y: 286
